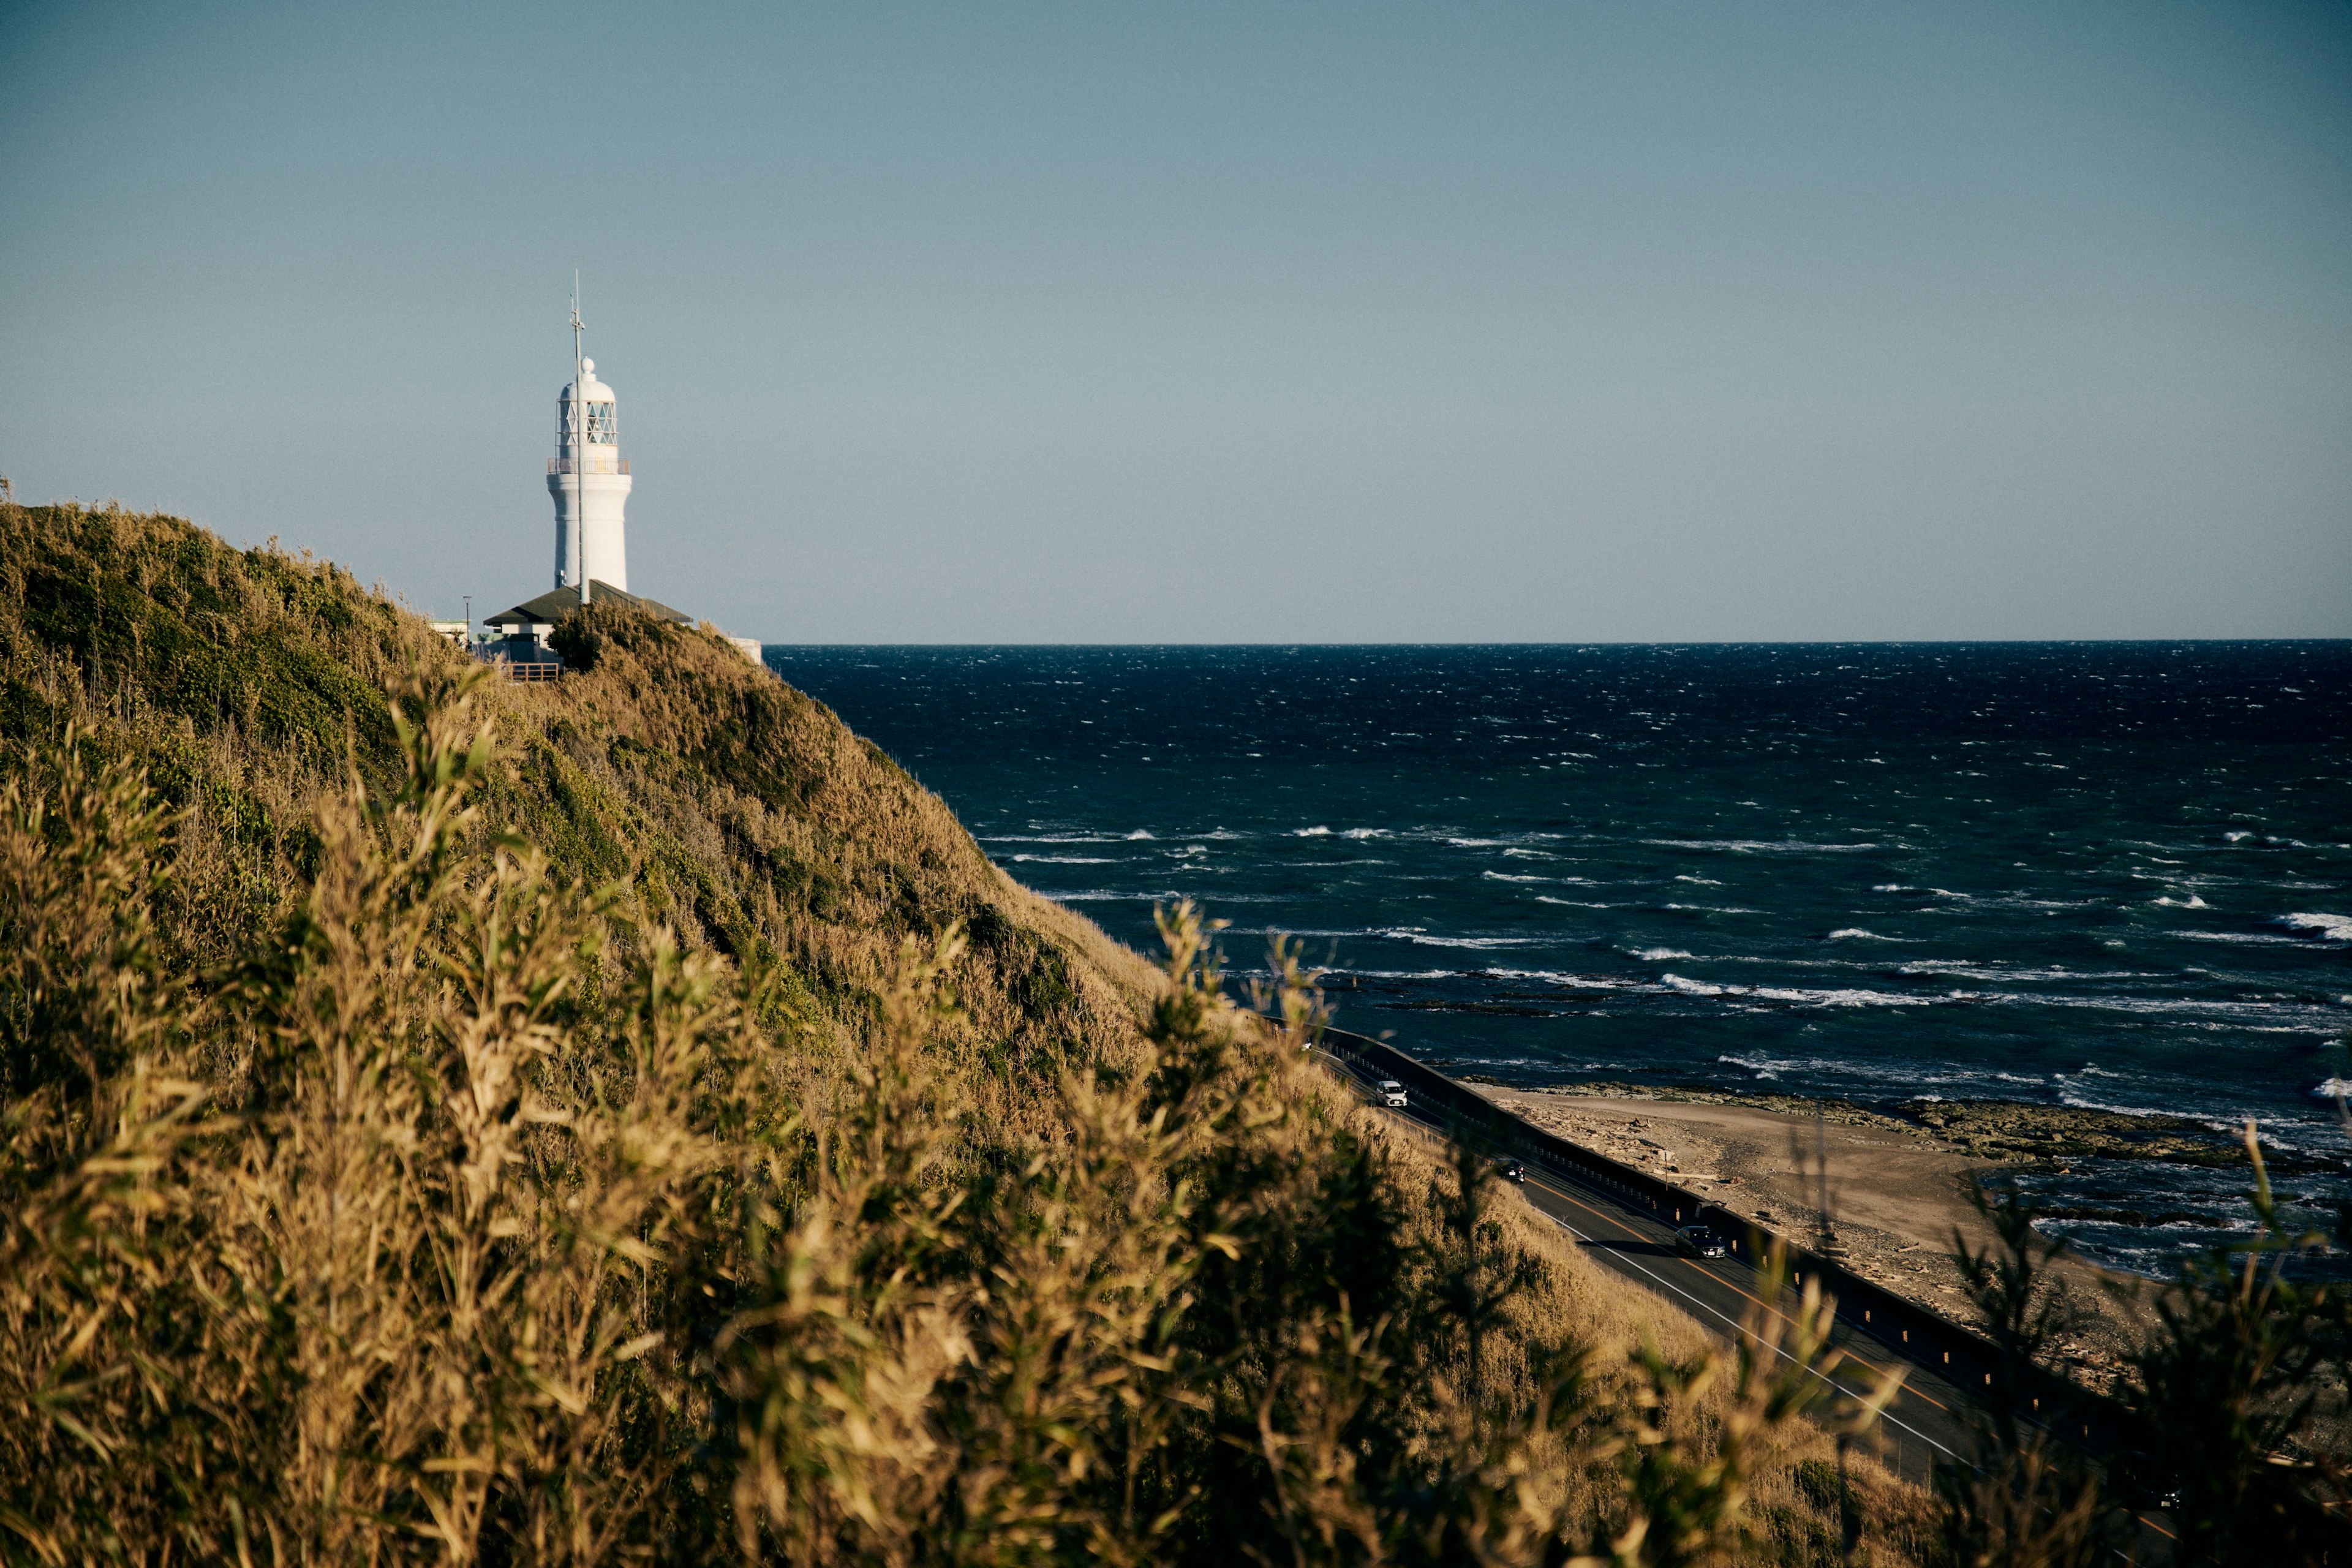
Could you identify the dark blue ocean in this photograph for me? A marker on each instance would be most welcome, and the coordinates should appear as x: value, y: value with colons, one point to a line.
x: 2113, y: 875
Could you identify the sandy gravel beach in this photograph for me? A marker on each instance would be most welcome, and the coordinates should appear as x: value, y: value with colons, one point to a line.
x: 1895, y: 1193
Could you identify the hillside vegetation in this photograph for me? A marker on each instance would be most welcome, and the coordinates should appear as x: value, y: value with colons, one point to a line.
x: 448, y: 1121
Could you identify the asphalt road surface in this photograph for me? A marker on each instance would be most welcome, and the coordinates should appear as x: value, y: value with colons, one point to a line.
x: 1921, y: 1423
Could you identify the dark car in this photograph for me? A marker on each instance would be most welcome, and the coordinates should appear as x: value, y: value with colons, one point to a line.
x: 1511, y: 1171
x: 1698, y: 1241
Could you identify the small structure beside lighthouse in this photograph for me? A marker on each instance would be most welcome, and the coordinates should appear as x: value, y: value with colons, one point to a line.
x: 589, y: 480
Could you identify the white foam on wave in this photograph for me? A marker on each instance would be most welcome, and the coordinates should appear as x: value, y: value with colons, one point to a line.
x: 2237, y: 938
x: 1855, y: 934
x: 1421, y: 938
x: 2191, y: 902
x: 1838, y: 998
x: 1101, y: 895
x: 1365, y: 832
x: 2237, y: 835
x: 1310, y: 833
x: 1051, y: 838
x: 1700, y: 881
x: 1760, y: 845
x: 1804, y: 996
x: 2335, y: 1089
x: 1066, y: 859
x: 1660, y: 954
x: 1709, y: 909
x: 1506, y: 877
x: 1570, y: 903
x: 2328, y: 928
x: 1891, y: 888
x: 1139, y: 834
x: 1562, y: 977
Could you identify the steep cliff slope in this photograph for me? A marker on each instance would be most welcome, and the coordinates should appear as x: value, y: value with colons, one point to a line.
x: 520, y: 1236
x: 738, y: 809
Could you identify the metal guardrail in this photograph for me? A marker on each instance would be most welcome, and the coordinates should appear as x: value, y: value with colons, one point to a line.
x: 1967, y: 1359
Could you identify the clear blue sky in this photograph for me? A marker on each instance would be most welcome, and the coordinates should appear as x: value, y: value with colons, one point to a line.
x: 1259, y: 322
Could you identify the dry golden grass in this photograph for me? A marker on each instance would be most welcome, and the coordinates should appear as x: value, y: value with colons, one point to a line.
x: 377, y: 1188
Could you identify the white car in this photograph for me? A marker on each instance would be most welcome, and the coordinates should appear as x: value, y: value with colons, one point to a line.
x: 1391, y: 1094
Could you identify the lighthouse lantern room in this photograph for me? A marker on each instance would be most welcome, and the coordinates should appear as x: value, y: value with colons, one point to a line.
x: 589, y: 480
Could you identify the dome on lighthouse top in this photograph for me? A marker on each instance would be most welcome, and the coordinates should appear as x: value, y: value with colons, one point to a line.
x: 598, y: 392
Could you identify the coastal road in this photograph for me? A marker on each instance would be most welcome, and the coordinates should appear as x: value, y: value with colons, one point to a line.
x: 1920, y: 1425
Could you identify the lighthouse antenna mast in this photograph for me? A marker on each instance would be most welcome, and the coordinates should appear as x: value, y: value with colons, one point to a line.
x: 579, y: 445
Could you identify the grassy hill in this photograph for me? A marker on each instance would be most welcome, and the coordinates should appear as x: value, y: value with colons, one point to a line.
x: 631, y: 1118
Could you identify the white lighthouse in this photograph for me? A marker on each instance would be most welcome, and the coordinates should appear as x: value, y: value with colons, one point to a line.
x: 589, y: 480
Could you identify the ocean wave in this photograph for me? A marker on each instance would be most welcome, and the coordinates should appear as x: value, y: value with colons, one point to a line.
x: 1421, y: 938
x: 1365, y: 832
x: 1138, y: 832
x: 1562, y: 977
x: 1113, y: 895
x: 1659, y: 954
x: 2327, y: 928
x: 1506, y: 877
x: 2191, y: 902
x: 1710, y: 910
x: 1051, y: 838
x: 1067, y: 860
x: 2334, y: 1089
x: 1700, y: 881
x: 1760, y: 845
x: 2013, y: 973
x: 1571, y: 903
x: 1802, y: 995
x: 2238, y: 938
x: 1891, y: 888
x: 1841, y: 998
x: 1310, y: 833
x: 1858, y: 934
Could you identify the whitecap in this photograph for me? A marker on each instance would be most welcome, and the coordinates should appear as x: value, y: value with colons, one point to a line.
x: 2335, y: 1089
x: 1857, y: 934
x: 1700, y: 881
x: 1760, y: 845
x: 2328, y: 928
x: 1066, y: 859
x: 1891, y: 888
x: 1138, y: 832
x: 1659, y: 954
x: 1837, y: 998
x: 1310, y: 833
x: 1421, y: 938
x: 1689, y: 987
x: 1365, y: 832
x: 1506, y: 877
x: 2191, y: 902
